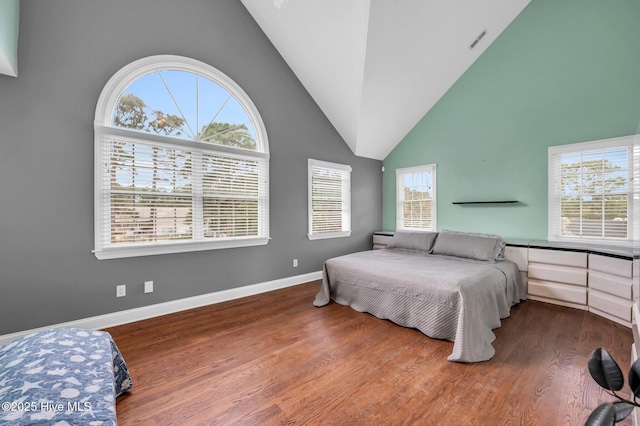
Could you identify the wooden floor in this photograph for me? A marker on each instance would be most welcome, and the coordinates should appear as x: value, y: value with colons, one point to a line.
x: 275, y: 359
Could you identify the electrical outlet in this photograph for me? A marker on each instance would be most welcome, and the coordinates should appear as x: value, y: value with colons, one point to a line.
x: 148, y: 286
x: 121, y: 290
x: 295, y: 263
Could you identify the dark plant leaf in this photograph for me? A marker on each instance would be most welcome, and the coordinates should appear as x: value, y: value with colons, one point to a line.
x: 605, y: 414
x: 605, y: 370
x: 623, y: 409
x: 634, y: 378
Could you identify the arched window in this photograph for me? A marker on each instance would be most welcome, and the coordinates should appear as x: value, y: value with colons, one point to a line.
x: 181, y: 161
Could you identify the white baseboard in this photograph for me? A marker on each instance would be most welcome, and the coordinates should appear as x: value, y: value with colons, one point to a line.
x: 151, y: 311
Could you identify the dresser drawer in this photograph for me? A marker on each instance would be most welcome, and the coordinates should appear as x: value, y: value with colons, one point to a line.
x: 557, y: 257
x: 617, y: 286
x: 610, y: 305
x: 559, y: 274
x: 611, y: 265
x: 566, y: 293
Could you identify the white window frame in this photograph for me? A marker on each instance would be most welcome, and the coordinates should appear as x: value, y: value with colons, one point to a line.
x: 400, y: 173
x: 103, y: 129
x: 632, y: 143
x: 345, y: 171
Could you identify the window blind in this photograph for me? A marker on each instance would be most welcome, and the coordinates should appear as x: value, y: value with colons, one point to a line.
x: 415, y: 195
x: 329, y: 199
x: 159, y: 193
x: 593, y: 191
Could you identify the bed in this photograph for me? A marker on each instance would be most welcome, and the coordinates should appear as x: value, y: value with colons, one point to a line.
x: 448, y: 285
x: 64, y: 376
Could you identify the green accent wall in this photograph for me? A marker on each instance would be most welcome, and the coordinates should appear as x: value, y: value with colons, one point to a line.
x: 562, y: 72
x: 9, y: 20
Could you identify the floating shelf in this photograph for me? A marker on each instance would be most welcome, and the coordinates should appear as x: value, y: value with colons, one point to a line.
x: 485, y: 202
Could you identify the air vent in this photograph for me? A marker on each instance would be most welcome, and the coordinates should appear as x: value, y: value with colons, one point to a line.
x: 482, y: 34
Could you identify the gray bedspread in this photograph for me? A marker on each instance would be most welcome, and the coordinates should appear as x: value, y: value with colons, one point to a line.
x: 445, y: 297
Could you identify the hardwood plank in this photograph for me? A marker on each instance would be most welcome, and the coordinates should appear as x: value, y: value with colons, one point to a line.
x: 274, y: 358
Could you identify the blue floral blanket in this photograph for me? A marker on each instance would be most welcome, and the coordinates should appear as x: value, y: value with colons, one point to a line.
x: 61, y: 377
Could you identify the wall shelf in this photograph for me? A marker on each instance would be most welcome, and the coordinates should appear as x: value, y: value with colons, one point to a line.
x: 486, y: 202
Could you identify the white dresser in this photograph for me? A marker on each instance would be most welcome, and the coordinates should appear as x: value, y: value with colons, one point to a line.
x: 590, y: 278
x: 558, y: 277
x: 381, y: 239
x: 611, y: 287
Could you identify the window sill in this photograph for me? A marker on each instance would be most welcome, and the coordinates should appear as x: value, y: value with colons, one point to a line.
x: 594, y: 241
x: 150, y: 250
x: 327, y: 236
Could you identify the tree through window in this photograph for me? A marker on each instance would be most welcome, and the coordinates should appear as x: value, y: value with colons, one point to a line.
x: 183, y: 161
x: 595, y: 197
x: 594, y: 191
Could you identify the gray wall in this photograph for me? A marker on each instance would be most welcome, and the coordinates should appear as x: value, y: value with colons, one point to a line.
x: 68, y: 49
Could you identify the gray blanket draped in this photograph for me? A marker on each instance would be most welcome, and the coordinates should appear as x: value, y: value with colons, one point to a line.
x: 445, y: 297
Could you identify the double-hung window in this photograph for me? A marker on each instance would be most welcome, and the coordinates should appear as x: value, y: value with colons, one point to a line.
x: 329, y: 200
x: 594, y: 191
x: 416, y: 198
x: 181, y: 161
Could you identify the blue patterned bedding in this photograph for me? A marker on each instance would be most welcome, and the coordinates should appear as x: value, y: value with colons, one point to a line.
x: 61, y: 377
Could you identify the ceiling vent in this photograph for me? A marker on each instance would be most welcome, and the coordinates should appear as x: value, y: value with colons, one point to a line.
x: 482, y: 34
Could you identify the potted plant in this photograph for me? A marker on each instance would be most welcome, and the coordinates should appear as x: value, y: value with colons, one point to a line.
x: 605, y: 371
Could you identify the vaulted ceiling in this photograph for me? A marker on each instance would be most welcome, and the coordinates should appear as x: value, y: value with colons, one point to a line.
x: 376, y: 67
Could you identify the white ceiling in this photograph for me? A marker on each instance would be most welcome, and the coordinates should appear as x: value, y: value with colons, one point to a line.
x: 376, y: 67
